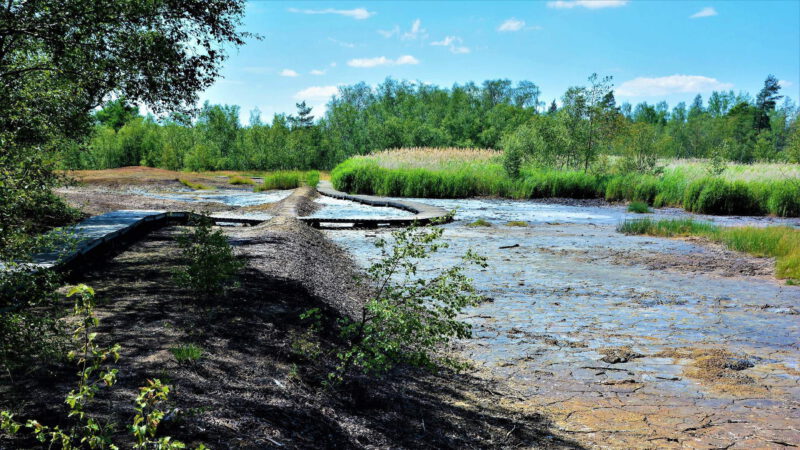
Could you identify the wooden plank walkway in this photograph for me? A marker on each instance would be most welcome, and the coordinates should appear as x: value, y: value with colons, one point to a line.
x: 422, y: 214
x: 97, y: 235
x: 88, y: 241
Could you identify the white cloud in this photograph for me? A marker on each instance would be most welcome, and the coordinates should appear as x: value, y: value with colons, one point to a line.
x: 317, y: 72
x: 451, y: 43
x: 785, y: 83
x: 333, y: 64
x: 406, y: 59
x: 673, y: 84
x: 317, y: 93
x: 289, y: 73
x: 511, y: 24
x: 589, y: 4
x: 382, y: 61
x: 708, y: 11
x: 357, y: 13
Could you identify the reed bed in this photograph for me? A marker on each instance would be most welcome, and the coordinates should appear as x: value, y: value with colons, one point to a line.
x: 459, y: 173
x: 779, y: 242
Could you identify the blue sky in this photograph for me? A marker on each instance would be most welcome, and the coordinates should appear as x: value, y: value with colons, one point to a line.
x: 655, y: 50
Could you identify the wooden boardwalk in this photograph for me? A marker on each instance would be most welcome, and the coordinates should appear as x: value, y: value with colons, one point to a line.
x: 92, y: 239
x: 422, y: 214
x: 101, y: 234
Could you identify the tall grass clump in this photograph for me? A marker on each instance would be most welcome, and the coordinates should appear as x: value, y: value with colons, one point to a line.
x: 638, y: 207
x: 288, y: 179
x: 237, y: 180
x: 779, y: 242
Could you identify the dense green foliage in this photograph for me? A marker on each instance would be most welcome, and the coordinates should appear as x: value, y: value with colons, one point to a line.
x: 360, y: 119
x: 409, y: 316
x: 779, y: 242
x: 57, y: 63
x: 677, y: 186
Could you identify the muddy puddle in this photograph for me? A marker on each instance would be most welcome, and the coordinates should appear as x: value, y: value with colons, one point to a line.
x: 333, y: 207
x: 626, y: 341
x: 230, y: 197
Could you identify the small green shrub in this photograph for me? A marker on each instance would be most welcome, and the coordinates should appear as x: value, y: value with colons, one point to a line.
x: 187, y: 353
x: 517, y: 223
x: 638, y: 207
x: 237, y: 180
x: 210, y: 263
x: 480, y: 223
x: 408, y: 318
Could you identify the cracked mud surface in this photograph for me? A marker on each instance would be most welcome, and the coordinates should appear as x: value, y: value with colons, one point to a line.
x: 629, y: 341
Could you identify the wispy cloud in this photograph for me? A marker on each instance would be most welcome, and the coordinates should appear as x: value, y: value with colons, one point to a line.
x: 316, y: 93
x: 453, y: 43
x: 589, y: 4
x: 415, y: 32
x: 511, y: 24
x: 673, y: 84
x: 317, y: 72
x: 357, y: 13
x: 382, y: 61
x: 785, y: 83
x: 389, y: 33
x: 708, y: 11
x: 342, y: 43
x: 289, y: 73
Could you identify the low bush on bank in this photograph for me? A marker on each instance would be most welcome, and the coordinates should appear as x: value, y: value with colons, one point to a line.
x: 779, y: 242
x: 675, y: 187
x: 288, y: 179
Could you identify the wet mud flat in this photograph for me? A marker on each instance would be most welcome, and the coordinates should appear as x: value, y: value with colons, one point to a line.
x: 627, y: 341
x: 252, y: 388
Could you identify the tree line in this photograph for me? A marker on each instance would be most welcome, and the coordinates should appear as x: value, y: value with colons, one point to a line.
x: 496, y: 114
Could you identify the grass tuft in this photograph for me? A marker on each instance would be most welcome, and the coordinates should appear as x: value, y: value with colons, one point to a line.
x: 193, y: 185
x: 517, y: 223
x: 480, y: 223
x: 638, y: 207
x: 779, y: 242
x: 237, y: 180
x: 186, y: 353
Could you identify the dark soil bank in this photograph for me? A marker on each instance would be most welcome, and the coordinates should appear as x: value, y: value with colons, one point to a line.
x: 253, y: 388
